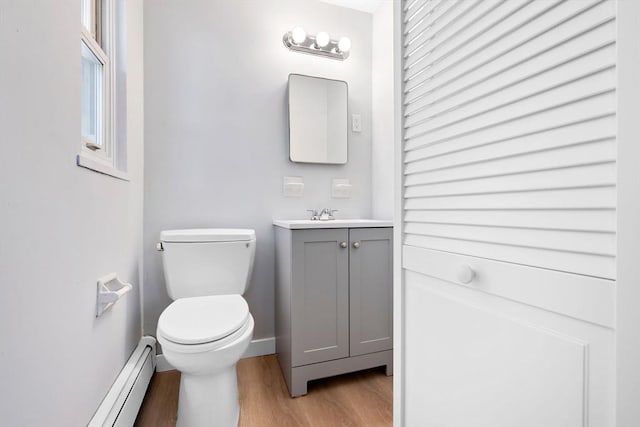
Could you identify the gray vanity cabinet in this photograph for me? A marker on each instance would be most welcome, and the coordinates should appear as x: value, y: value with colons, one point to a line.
x: 333, y: 302
x: 320, y: 296
x: 370, y: 290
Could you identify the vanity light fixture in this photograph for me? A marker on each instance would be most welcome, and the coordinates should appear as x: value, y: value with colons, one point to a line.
x: 298, y: 35
x: 297, y: 39
x: 344, y: 44
x: 322, y: 40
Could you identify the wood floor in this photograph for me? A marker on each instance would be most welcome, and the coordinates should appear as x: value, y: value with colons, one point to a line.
x: 358, y: 399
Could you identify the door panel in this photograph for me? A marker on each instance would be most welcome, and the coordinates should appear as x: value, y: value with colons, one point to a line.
x: 320, y: 308
x: 508, y: 212
x: 476, y: 360
x: 371, y: 299
x: 496, y: 366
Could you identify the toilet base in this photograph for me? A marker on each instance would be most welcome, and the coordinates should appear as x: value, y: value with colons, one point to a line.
x: 209, y: 382
x: 209, y: 400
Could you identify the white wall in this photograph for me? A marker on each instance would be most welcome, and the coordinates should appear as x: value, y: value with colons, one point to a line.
x: 216, y: 118
x: 62, y: 226
x: 382, y: 152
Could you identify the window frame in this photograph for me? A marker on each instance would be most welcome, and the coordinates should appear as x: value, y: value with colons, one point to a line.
x: 101, y: 147
x: 100, y: 39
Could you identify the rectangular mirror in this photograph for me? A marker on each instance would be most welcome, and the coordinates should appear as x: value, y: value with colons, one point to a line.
x: 317, y: 120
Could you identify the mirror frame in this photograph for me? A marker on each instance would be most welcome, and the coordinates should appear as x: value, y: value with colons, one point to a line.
x: 289, y: 118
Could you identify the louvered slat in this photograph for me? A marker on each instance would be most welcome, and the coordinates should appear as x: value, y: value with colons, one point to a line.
x: 443, y: 47
x: 595, y: 220
x: 534, y: 81
x: 469, y: 149
x: 425, y: 34
x: 410, y: 6
x: 565, y: 115
x: 561, y: 157
x: 447, y: 18
x: 582, y: 198
x: 501, y: 107
x: 567, y: 241
x: 590, y: 265
x: 509, y: 131
x: 584, y: 30
x: 510, y: 34
x: 564, y: 178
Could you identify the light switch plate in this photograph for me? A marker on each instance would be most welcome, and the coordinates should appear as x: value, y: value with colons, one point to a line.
x: 341, y: 188
x: 356, y: 123
x: 293, y: 186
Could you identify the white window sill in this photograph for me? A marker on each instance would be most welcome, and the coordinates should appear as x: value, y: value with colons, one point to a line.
x: 85, y: 161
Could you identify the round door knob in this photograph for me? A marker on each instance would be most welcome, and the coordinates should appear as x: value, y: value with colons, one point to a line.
x: 343, y: 245
x: 356, y: 245
x: 466, y: 274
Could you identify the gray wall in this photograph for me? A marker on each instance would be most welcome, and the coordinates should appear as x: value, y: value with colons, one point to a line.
x: 63, y: 226
x: 216, y: 119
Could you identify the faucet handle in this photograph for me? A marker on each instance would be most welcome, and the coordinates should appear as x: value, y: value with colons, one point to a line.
x: 314, y: 214
x: 327, y: 214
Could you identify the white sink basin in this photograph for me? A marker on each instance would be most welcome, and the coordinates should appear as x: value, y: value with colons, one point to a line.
x: 298, y: 224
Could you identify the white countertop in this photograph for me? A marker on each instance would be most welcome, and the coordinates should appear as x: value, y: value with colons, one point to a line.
x: 301, y: 224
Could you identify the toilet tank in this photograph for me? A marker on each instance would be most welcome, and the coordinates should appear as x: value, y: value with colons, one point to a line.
x: 201, y: 262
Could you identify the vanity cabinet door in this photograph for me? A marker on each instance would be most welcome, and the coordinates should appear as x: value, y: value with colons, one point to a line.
x: 319, y: 296
x: 371, y: 290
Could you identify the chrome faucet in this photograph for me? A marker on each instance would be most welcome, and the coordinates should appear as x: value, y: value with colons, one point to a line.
x: 315, y: 216
x: 325, y: 214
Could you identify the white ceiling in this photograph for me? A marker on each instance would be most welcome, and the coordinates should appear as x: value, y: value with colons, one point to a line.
x: 369, y: 6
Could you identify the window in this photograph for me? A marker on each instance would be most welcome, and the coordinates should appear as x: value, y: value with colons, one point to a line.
x: 98, y: 87
x: 93, y: 99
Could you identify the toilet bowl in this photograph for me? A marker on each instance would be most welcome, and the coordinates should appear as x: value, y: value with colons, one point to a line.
x: 208, y: 327
x: 203, y: 338
x: 208, y: 386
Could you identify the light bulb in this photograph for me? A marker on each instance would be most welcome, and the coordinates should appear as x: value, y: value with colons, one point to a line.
x: 322, y: 39
x: 298, y: 35
x: 344, y: 44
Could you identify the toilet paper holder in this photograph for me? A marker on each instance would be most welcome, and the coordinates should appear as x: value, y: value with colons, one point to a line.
x: 110, y: 290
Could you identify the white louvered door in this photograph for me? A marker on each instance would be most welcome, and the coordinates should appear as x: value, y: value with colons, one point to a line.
x: 509, y: 172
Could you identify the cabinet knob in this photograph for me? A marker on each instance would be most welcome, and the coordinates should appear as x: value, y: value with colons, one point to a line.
x: 343, y: 245
x: 466, y: 274
x: 356, y: 245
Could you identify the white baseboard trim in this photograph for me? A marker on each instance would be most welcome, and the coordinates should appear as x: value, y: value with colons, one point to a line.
x: 259, y: 347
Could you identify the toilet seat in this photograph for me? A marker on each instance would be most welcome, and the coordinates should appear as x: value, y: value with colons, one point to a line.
x: 202, y: 320
x: 214, y: 346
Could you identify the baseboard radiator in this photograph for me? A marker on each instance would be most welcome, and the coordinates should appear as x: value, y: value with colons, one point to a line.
x: 122, y: 403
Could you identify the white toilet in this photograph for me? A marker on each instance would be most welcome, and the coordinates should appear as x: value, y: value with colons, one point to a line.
x: 208, y: 327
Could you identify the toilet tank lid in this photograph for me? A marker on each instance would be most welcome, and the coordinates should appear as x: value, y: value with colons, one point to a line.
x: 208, y: 235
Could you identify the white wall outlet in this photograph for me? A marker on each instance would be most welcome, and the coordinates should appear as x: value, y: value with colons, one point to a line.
x: 341, y: 188
x: 356, y: 123
x: 293, y: 186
